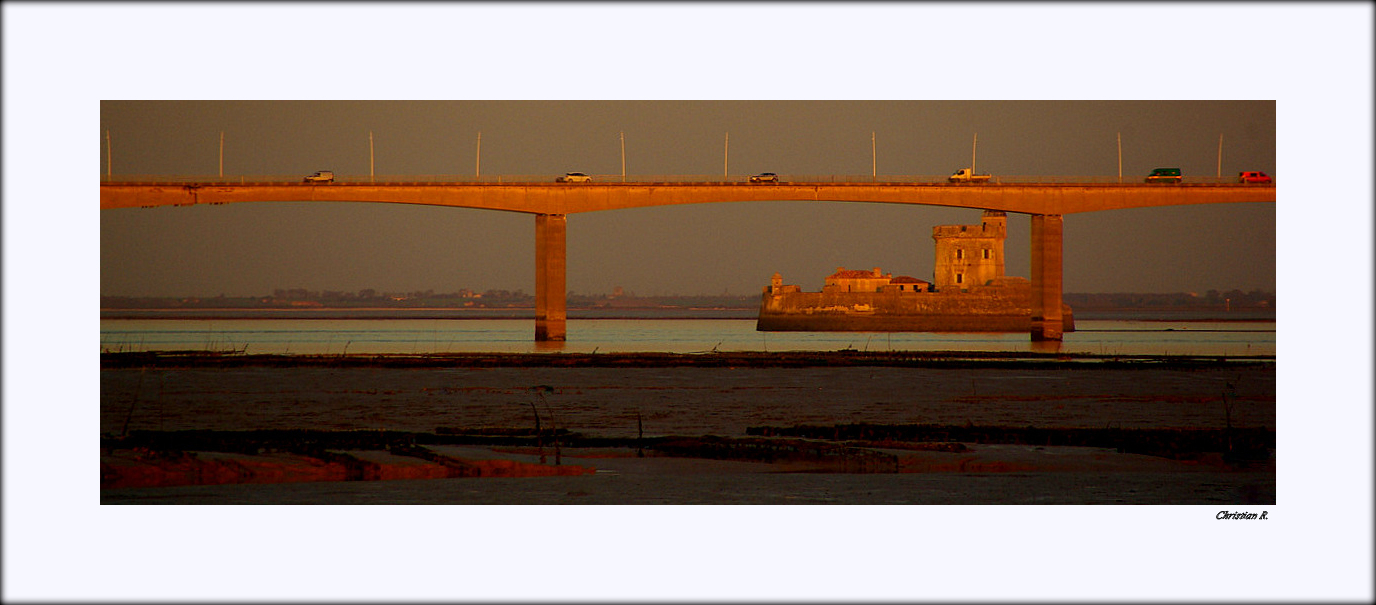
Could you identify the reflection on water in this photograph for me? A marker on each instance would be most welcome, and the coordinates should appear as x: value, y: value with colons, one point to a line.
x: 549, y: 346
x: 442, y: 335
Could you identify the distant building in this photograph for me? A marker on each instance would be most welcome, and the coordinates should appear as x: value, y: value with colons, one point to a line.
x: 856, y: 280
x: 903, y: 283
x: 776, y: 286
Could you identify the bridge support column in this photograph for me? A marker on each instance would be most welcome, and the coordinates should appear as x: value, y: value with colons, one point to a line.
x: 1047, y: 232
x: 550, y: 291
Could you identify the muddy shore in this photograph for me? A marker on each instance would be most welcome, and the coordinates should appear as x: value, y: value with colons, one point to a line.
x: 1035, y: 422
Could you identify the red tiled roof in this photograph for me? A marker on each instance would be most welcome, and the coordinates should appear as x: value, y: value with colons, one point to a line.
x: 855, y: 274
x: 904, y: 279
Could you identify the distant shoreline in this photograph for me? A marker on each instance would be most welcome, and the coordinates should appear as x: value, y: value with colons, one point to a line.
x: 661, y: 313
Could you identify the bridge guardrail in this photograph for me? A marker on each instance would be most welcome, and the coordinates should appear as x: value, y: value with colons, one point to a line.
x: 648, y: 178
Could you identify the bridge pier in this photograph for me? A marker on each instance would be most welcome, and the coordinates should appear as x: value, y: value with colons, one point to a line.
x: 551, y: 252
x: 1047, y: 234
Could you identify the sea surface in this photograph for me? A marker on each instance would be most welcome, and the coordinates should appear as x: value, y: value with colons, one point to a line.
x: 426, y: 331
x: 625, y: 402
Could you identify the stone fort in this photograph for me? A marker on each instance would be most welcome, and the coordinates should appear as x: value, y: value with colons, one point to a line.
x: 969, y: 292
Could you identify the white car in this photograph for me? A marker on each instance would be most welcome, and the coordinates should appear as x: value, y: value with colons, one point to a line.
x: 765, y: 177
x: 574, y: 177
x: 320, y: 176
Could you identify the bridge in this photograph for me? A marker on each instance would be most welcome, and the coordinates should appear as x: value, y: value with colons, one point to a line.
x: 1045, y: 199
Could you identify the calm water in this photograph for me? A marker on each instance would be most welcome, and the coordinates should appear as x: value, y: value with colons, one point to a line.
x: 320, y: 333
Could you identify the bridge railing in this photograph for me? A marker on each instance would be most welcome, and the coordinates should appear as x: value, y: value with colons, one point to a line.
x: 645, y: 178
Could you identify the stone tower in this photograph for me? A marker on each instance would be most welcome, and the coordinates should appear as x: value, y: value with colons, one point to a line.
x: 969, y: 255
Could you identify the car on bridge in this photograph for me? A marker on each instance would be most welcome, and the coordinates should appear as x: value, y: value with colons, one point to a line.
x: 1255, y: 176
x: 320, y: 176
x: 765, y: 177
x: 574, y: 177
x: 1164, y: 175
x: 967, y: 175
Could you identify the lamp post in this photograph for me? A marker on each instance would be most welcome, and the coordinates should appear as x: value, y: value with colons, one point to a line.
x: 109, y: 162
x: 973, y: 147
x: 370, y: 155
x: 623, y: 156
x: 874, y: 159
x: 222, y: 154
x: 1219, y: 174
x: 478, y: 164
x: 726, y: 158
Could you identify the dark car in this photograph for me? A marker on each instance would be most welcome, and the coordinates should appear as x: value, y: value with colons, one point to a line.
x: 765, y: 177
x: 1164, y: 175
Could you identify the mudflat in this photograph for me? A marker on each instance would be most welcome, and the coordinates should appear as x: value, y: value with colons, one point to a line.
x: 730, y: 402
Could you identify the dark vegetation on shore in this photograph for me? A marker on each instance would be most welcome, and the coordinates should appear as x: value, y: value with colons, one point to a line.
x: 845, y: 357
x: 1213, y: 300
x: 464, y: 299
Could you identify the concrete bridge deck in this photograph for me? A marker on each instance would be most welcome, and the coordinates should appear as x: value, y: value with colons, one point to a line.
x: 572, y: 198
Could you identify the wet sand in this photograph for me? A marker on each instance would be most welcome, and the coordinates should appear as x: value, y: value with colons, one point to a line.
x: 986, y: 474
x: 696, y: 401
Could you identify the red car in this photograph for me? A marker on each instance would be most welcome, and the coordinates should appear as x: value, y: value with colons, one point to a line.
x: 1253, y: 177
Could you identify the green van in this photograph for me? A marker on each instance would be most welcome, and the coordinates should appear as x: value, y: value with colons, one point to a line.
x: 1164, y: 175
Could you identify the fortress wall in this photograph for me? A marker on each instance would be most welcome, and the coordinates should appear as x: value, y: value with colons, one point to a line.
x: 987, y: 309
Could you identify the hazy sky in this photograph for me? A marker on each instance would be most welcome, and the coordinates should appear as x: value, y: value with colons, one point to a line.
x: 252, y: 249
